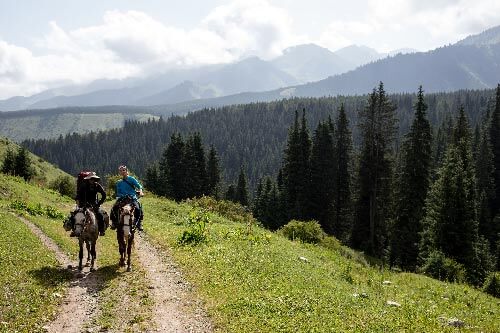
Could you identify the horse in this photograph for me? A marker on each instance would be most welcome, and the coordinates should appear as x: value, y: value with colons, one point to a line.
x: 125, y: 232
x: 87, y: 232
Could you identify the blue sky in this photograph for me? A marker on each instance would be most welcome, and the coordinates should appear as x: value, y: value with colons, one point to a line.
x: 49, y: 43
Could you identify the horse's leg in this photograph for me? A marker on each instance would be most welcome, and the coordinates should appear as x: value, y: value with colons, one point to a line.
x: 94, y: 256
x: 80, y: 254
x: 119, y: 237
x: 87, y: 244
x: 129, y: 251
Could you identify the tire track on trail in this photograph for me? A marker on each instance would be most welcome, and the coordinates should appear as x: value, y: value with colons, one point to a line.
x: 80, y: 303
x: 175, y: 309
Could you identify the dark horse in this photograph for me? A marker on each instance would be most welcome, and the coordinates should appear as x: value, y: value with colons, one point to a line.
x: 86, y: 230
x: 125, y: 231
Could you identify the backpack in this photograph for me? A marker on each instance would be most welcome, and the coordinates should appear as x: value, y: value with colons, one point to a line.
x: 79, y: 179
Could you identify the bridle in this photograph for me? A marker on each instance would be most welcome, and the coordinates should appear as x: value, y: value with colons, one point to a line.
x: 86, y: 220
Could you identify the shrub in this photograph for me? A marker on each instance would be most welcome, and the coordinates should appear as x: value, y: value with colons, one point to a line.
x: 65, y: 185
x: 438, y: 266
x: 228, y: 209
x: 492, y: 284
x: 197, y: 231
x: 306, y: 232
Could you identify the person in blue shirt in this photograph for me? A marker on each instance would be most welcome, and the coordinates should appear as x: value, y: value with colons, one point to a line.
x: 130, y: 187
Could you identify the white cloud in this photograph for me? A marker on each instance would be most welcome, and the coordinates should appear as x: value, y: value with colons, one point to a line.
x: 423, y: 24
x: 132, y: 43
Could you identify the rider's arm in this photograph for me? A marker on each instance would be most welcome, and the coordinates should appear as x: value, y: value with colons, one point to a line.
x: 100, y: 189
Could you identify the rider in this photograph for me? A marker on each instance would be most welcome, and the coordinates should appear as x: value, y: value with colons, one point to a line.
x: 127, y: 186
x: 86, y: 196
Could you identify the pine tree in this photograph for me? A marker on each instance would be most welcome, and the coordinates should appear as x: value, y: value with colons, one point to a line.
x: 152, y: 179
x: 494, y: 136
x: 378, y: 128
x: 296, y: 169
x: 494, y: 131
x: 213, y: 173
x: 172, y: 171
x: 322, y: 176
x: 342, y: 202
x: 241, y: 193
x: 22, y: 164
x: 8, y: 166
x: 450, y: 224
x: 485, y: 188
x: 230, y: 194
x: 197, y: 180
x: 413, y: 184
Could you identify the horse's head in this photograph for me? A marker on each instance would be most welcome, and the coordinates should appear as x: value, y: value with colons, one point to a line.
x: 83, y: 218
x: 126, y: 214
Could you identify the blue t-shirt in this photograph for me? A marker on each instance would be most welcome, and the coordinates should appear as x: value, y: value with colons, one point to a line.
x: 123, y: 189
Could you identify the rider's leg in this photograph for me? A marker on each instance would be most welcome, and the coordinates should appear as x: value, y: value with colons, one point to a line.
x: 137, y: 215
x: 114, y: 217
x: 100, y: 223
x: 72, y: 223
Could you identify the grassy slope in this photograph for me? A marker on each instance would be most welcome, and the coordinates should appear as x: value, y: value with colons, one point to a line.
x: 45, y: 172
x: 259, y: 283
x: 250, y: 283
x: 51, y: 126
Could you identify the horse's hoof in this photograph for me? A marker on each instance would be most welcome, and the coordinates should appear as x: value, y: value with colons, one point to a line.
x: 80, y: 275
x: 92, y: 269
x: 129, y: 269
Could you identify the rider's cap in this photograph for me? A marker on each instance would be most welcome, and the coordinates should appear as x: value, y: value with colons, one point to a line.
x: 92, y: 175
x: 122, y: 168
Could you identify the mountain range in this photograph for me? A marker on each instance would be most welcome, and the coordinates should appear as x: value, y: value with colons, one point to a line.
x: 297, y: 65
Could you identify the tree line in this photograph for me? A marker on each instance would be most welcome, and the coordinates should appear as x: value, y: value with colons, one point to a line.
x: 252, y: 136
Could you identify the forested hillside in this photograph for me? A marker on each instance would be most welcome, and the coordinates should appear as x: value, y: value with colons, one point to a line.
x: 249, y: 135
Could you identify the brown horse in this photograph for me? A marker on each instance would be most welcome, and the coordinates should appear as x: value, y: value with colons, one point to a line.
x: 125, y: 232
x: 87, y: 232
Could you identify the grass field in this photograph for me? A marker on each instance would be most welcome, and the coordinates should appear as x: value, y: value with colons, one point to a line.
x: 262, y: 282
x: 250, y: 279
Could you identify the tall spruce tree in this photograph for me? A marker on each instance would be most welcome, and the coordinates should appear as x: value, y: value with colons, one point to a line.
x: 172, y: 171
x: 22, y: 164
x: 412, y: 187
x: 378, y: 128
x: 297, y: 169
x: 213, y: 173
x: 195, y: 163
x: 342, y: 199
x: 323, y: 176
x: 241, y: 193
x: 494, y: 131
x: 8, y: 165
x: 485, y: 187
x: 450, y: 224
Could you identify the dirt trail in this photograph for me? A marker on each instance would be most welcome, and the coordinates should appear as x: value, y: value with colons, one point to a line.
x: 80, y: 304
x: 174, y: 309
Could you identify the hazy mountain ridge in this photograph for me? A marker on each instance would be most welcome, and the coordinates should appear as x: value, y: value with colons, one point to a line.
x: 297, y: 65
x: 469, y: 64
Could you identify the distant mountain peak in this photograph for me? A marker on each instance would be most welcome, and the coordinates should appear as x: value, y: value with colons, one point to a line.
x: 487, y: 37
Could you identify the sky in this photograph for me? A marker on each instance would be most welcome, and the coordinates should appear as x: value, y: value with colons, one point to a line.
x: 46, y: 44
